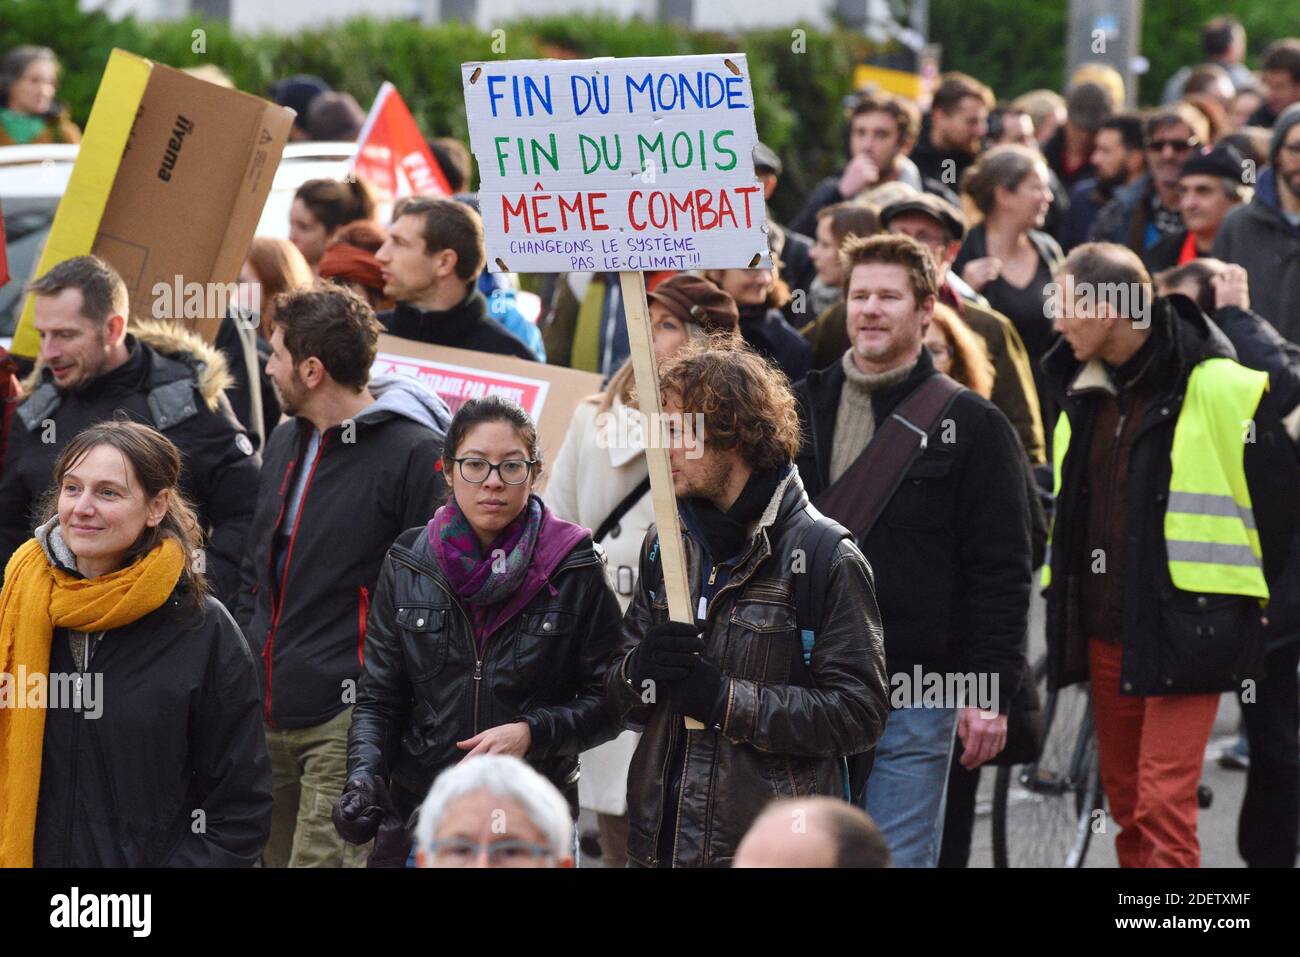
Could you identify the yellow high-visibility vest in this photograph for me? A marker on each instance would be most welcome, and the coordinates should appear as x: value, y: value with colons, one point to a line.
x: 1211, y: 541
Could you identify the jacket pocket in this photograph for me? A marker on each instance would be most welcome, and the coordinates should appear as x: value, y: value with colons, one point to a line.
x: 420, y: 736
x: 424, y: 631
x: 920, y: 501
x: 541, y: 643
x: 1205, y: 642
x: 763, y: 642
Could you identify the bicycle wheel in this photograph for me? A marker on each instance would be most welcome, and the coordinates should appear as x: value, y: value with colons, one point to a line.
x: 1043, y: 812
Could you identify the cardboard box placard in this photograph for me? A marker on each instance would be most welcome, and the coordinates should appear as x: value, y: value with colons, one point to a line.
x: 168, y: 186
x: 548, y: 393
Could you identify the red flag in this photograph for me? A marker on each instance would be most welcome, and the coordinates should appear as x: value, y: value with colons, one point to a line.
x: 392, y: 154
x: 4, y: 254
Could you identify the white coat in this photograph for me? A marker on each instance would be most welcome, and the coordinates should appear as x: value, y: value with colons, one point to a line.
x: 601, y: 461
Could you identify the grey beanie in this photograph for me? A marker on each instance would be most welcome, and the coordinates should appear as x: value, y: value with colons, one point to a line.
x: 1289, y: 118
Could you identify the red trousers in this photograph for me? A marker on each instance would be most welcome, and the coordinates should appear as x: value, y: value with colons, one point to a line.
x: 1150, y: 750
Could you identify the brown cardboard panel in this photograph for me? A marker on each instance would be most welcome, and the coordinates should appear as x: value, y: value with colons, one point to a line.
x: 442, y: 368
x: 189, y: 189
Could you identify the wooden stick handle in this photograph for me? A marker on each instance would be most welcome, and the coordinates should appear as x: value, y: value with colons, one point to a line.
x: 671, y: 554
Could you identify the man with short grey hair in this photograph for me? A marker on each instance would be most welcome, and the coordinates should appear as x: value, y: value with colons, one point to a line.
x: 494, y: 811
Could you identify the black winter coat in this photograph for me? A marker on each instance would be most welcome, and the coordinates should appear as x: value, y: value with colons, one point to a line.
x: 767, y: 333
x: 1175, y: 642
x: 424, y: 687
x: 786, y: 725
x: 952, y: 549
x: 180, y: 395
x: 464, y: 326
x: 174, y: 772
x: 309, y: 626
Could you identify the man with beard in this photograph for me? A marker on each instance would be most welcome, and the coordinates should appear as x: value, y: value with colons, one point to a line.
x: 952, y: 134
x: 1264, y: 235
x: 949, y: 542
x: 92, y: 369
x: 355, y: 466
x: 783, y: 664
x: 1118, y: 161
x: 1145, y: 212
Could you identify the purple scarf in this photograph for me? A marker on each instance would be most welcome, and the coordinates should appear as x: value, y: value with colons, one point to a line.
x: 526, y: 552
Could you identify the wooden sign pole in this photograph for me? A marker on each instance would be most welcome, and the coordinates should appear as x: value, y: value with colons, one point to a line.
x: 671, y: 554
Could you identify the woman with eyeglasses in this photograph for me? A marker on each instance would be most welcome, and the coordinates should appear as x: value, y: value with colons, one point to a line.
x: 489, y: 633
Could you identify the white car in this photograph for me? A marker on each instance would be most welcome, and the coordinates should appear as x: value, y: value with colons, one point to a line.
x: 33, y: 179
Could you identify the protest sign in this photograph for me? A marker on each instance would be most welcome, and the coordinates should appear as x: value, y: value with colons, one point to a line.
x: 621, y: 165
x: 168, y: 186
x: 392, y: 155
x: 547, y: 393
x: 616, y: 164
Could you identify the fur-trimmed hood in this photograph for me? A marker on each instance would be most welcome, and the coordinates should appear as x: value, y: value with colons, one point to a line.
x: 171, y: 339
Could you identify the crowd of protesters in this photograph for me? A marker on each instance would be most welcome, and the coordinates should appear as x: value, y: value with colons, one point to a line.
x: 1046, y: 344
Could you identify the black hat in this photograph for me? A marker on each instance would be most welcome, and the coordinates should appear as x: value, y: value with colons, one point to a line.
x: 765, y: 158
x: 1222, y: 161
x: 297, y: 92
x: 936, y: 207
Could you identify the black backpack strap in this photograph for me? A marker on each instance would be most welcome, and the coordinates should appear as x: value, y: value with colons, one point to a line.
x: 818, y: 544
x: 621, y: 509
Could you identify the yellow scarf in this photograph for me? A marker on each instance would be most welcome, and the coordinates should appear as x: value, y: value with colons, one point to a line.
x: 38, y: 598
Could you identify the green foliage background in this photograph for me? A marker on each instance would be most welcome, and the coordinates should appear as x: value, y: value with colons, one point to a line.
x: 799, y: 79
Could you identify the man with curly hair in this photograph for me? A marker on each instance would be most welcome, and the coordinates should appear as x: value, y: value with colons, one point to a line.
x: 784, y: 663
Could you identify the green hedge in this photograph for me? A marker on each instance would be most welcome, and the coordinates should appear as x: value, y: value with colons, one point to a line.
x: 799, y: 79
x: 800, y: 75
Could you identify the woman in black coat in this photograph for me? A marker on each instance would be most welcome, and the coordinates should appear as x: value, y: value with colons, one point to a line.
x: 489, y: 633
x: 150, y: 751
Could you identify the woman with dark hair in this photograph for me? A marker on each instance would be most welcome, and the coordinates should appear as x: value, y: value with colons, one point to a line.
x: 1007, y: 257
x: 149, y: 750
x: 489, y: 633
x: 321, y: 207
x: 29, y: 77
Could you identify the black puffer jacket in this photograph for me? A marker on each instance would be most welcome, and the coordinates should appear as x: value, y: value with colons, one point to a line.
x: 424, y: 687
x: 1174, y: 641
x: 174, y: 771
x: 785, y: 725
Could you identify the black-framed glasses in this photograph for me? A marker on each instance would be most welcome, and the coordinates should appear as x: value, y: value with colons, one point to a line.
x: 462, y: 852
x: 1178, y: 146
x: 512, y: 471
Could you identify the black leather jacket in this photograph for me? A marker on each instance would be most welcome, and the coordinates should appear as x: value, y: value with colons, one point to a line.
x: 423, y: 686
x: 785, y: 725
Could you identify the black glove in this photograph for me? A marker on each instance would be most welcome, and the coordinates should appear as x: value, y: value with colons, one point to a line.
x: 664, y: 654
x: 702, y: 693
x: 360, y: 809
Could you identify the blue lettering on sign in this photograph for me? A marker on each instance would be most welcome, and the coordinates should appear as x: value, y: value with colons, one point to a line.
x: 525, y: 95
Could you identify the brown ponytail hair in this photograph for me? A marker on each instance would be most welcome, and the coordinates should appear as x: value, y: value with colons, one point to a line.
x: 156, y: 465
x: 337, y: 202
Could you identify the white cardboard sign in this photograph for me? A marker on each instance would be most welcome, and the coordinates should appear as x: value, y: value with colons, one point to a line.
x: 616, y: 164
